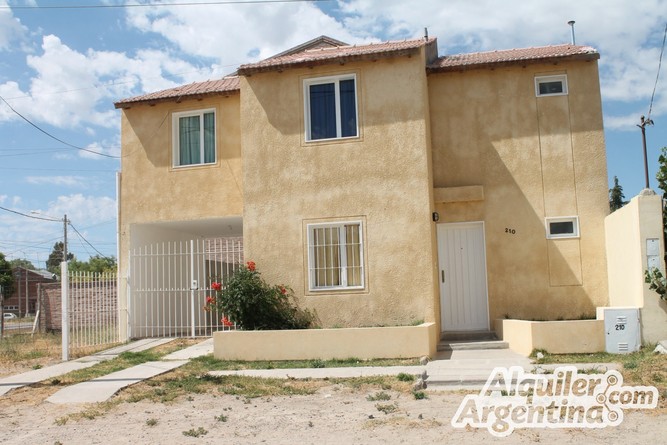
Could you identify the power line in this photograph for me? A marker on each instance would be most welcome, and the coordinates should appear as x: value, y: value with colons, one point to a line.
x: 58, y: 169
x: 650, y: 108
x: 54, y: 137
x: 151, y: 5
x: 86, y: 241
x: 29, y: 216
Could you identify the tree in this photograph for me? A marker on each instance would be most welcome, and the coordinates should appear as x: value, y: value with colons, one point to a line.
x: 661, y: 176
x: 21, y: 262
x: 56, y: 257
x: 96, y: 264
x: 6, y: 277
x: 616, y: 196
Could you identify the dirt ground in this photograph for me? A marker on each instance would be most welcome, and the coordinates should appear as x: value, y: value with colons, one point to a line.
x: 335, y: 414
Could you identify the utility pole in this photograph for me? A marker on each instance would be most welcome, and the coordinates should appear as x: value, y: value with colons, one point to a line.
x: 642, y: 126
x: 64, y: 297
x: 65, y: 234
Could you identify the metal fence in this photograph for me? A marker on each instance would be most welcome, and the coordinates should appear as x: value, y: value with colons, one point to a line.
x: 168, y: 284
x: 92, y: 309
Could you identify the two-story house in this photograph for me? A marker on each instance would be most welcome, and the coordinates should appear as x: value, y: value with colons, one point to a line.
x: 385, y: 184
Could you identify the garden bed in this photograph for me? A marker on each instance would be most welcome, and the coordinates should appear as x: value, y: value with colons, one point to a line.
x: 557, y: 337
x: 327, y: 344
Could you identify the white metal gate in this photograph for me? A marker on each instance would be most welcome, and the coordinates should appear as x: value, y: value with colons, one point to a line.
x: 463, y: 285
x: 92, y: 309
x: 168, y: 283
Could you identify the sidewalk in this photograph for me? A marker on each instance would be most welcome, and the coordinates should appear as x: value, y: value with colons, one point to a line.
x: 103, y: 388
x: 452, y: 370
x: 38, y: 375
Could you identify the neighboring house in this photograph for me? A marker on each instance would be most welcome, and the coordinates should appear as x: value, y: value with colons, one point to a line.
x: 385, y: 184
x: 26, y: 285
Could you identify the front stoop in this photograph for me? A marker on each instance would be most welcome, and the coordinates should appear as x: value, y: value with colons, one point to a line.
x: 470, y: 340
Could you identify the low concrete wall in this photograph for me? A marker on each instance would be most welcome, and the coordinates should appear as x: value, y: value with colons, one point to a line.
x: 556, y: 337
x: 325, y: 344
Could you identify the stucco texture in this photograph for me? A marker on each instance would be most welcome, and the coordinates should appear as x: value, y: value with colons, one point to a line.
x: 533, y: 157
x: 380, y: 178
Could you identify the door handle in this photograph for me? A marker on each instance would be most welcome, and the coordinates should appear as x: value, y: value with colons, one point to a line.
x: 442, y: 273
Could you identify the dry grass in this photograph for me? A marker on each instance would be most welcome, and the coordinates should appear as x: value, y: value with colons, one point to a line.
x: 23, y: 352
x: 640, y: 368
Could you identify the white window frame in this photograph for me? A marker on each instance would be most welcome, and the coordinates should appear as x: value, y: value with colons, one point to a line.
x: 547, y: 79
x: 343, y: 256
x: 575, y: 227
x: 307, y: 83
x: 176, y: 139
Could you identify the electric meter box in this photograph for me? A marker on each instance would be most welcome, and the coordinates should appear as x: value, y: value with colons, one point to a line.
x: 622, y: 330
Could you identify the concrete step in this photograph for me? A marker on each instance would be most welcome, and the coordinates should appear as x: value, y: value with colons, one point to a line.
x: 468, y: 336
x: 471, y: 345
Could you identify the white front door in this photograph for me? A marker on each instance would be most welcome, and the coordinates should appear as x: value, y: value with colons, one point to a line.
x: 462, y: 276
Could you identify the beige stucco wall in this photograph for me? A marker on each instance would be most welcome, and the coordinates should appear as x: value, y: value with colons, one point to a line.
x: 326, y: 344
x: 627, y: 230
x: 153, y: 191
x: 556, y: 337
x: 511, y: 159
x: 380, y: 178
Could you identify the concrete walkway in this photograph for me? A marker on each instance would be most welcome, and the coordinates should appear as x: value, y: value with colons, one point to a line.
x: 48, y: 372
x: 103, y: 388
x: 451, y: 370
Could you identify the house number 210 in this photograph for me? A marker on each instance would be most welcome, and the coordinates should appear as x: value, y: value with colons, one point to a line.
x: 510, y: 231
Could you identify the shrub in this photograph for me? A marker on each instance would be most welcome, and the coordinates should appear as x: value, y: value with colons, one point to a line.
x: 252, y: 304
x: 656, y: 281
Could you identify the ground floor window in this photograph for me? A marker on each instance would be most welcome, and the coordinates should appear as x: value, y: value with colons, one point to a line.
x: 335, y: 256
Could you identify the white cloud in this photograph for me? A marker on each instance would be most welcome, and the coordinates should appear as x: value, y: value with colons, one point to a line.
x: 71, y: 88
x: 11, y: 29
x: 68, y: 181
x: 230, y: 34
x: 83, y: 210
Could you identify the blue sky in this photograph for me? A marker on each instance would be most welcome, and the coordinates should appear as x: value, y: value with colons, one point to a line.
x: 62, y: 69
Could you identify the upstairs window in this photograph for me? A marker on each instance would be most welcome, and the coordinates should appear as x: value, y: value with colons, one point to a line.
x: 562, y: 227
x: 551, y: 85
x: 335, y: 256
x: 194, y: 138
x: 331, y: 107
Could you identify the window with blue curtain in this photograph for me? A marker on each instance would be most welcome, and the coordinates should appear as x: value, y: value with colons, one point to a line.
x: 196, y: 138
x: 332, y: 108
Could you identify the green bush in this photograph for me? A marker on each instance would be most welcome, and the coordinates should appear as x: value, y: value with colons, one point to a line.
x: 252, y: 304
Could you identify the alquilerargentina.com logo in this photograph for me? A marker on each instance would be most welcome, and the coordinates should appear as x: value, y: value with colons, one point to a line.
x: 512, y: 398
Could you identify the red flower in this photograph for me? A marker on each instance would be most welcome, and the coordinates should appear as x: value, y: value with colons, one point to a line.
x: 210, y: 300
x: 216, y: 286
x: 226, y: 322
x: 251, y: 266
x: 283, y: 290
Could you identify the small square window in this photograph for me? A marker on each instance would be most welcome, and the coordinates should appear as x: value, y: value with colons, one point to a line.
x: 335, y: 256
x: 194, y: 138
x: 331, y: 107
x: 562, y: 227
x: 551, y: 85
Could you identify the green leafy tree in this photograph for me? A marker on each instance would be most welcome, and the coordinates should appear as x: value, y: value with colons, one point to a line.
x: 96, y: 264
x: 616, y: 196
x: 20, y: 262
x: 6, y: 277
x: 56, y: 257
x: 661, y: 176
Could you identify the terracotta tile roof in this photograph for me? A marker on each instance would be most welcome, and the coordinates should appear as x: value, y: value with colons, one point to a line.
x: 337, y: 54
x: 226, y: 85
x: 540, y: 54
